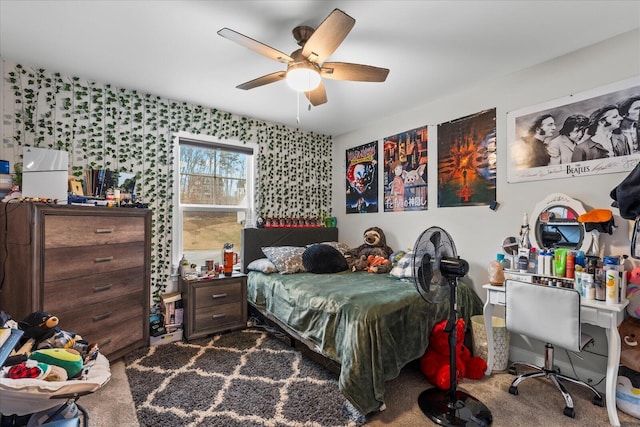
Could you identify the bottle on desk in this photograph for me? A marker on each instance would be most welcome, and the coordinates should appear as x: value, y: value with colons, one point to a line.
x: 532, y: 266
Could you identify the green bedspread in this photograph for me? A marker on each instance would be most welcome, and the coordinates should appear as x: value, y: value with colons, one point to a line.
x: 372, y: 324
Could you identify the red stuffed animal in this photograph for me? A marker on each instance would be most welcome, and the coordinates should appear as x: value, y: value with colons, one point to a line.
x: 435, y: 362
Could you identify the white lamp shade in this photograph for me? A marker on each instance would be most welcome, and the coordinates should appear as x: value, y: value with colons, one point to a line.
x: 303, y: 79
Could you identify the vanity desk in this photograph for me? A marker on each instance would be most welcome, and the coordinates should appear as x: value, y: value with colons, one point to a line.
x: 598, y: 313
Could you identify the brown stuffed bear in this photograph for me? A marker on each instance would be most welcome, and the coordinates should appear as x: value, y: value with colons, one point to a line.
x: 375, y: 243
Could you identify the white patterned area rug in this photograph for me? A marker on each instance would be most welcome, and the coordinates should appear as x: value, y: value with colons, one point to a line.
x: 244, y: 378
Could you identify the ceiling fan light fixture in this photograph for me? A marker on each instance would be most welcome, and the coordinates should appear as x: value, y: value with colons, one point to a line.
x: 303, y: 78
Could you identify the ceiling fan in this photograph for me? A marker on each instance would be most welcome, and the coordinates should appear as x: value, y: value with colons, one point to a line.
x: 306, y: 66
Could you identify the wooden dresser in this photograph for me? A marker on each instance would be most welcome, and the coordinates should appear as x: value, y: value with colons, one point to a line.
x: 214, y: 305
x: 89, y: 266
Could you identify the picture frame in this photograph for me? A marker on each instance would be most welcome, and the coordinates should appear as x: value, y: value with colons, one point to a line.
x: 529, y: 161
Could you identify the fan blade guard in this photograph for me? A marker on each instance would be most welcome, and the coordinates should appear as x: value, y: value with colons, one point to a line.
x: 432, y: 246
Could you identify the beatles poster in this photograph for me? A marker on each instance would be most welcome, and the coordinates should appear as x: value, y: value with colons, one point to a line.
x: 588, y: 133
x: 405, y: 171
x: 362, y: 178
x: 467, y: 160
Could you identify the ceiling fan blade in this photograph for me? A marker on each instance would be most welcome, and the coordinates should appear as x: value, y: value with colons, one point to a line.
x: 328, y: 36
x: 317, y: 96
x: 255, y: 45
x: 353, y: 72
x: 264, y: 80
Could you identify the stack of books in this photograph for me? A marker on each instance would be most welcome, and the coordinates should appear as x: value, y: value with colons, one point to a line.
x: 173, y: 314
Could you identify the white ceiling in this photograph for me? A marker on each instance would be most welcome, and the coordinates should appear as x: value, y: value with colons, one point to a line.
x: 432, y: 48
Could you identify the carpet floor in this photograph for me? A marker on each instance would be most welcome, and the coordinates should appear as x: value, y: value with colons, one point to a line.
x: 244, y: 378
x: 538, y: 404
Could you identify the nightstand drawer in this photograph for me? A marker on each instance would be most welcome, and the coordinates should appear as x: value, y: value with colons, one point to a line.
x: 218, y: 316
x: 213, y: 295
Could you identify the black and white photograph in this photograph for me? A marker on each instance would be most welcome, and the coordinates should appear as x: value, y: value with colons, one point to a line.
x: 588, y: 133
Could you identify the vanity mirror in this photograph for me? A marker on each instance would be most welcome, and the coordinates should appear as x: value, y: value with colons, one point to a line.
x: 554, y: 224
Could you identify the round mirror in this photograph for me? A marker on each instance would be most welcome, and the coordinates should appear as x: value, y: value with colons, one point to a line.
x: 555, y: 224
x: 510, y: 246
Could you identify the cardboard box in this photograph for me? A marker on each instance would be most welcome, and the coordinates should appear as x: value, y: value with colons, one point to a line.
x: 166, y: 338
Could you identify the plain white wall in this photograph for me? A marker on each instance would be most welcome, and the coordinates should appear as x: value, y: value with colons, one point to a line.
x: 478, y: 231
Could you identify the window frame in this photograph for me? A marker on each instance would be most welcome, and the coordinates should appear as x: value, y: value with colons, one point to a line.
x: 179, y: 208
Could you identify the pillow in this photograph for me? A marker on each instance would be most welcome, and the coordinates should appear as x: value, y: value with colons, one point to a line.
x: 404, y: 267
x: 287, y: 259
x: 322, y: 258
x: 342, y: 247
x: 263, y: 265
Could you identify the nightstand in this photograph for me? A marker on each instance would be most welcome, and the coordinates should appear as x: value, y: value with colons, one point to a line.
x: 214, y: 304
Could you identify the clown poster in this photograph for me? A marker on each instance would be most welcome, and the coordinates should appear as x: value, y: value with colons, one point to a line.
x: 467, y: 160
x: 405, y: 171
x: 362, y: 178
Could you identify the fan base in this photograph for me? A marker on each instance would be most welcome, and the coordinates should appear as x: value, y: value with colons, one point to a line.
x: 465, y: 411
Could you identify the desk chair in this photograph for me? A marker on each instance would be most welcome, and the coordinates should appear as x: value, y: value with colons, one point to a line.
x: 551, y: 315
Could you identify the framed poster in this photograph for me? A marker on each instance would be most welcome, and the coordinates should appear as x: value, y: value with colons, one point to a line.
x: 362, y: 178
x: 588, y: 133
x: 405, y: 171
x: 467, y: 160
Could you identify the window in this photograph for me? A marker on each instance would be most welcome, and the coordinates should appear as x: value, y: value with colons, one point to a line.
x: 214, y: 197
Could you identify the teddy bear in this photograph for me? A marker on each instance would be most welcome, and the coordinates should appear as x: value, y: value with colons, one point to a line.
x: 375, y: 243
x: 435, y: 365
x: 37, y: 327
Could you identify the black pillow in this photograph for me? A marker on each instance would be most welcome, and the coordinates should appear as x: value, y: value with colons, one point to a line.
x: 322, y: 259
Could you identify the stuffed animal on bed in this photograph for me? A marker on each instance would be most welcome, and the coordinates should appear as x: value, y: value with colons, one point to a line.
x: 435, y: 362
x: 375, y: 243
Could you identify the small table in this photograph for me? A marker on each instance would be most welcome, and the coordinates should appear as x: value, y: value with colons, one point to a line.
x: 214, y: 304
x: 599, y: 313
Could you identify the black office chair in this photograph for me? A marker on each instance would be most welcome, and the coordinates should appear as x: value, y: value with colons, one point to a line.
x: 551, y: 315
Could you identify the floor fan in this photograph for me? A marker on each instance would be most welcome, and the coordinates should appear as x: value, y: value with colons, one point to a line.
x: 436, y: 269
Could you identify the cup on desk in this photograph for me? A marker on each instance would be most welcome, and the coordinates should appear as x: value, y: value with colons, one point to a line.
x: 230, y: 258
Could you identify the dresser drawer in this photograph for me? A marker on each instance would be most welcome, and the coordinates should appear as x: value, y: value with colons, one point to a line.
x: 209, y: 296
x: 93, y: 289
x: 68, y: 262
x: 112, y: 324
x: 219, y: 316
x: 88, y: 230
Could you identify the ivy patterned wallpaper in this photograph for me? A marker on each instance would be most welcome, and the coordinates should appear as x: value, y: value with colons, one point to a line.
x: 107, y: 127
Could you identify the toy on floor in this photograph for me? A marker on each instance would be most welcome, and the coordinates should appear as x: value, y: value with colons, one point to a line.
x: 435, y: 362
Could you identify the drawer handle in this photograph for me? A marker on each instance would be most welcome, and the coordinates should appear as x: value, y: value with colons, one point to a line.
x: 101, y: 316
x: 102, y: 288
x: 104, y: 230
x: 217, y: 316
x: 214, y: 296
x: 103, y: 259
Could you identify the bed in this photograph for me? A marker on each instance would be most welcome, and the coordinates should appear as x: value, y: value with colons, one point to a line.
x: 372, y: 325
